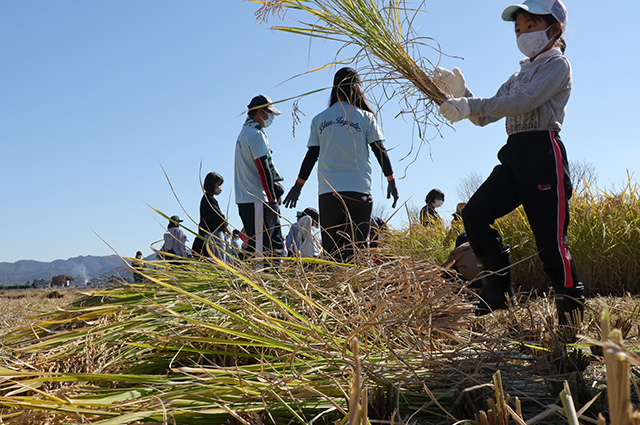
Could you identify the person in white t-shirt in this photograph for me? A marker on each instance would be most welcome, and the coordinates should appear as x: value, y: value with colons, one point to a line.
x: 257, y: 181
x: 340, y: 140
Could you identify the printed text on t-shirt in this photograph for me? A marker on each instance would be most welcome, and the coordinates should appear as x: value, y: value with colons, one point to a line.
x: 341, y: 122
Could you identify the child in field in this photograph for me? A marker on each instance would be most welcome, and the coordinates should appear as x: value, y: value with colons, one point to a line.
x: 308, y: 245
x: 428, y: 214
x: 533, y: 170
x: 340, y: 140
x: 213, y: 226
x: 175, y: 242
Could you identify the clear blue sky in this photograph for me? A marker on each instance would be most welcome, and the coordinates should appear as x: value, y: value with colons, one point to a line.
x: 97, y: 97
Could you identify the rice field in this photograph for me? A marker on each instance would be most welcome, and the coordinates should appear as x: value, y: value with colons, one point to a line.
x: 312, y: 342
x: 604, y: 240
x: 390, y: 339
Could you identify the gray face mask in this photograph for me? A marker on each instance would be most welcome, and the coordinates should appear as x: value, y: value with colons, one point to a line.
x: 438, y: 203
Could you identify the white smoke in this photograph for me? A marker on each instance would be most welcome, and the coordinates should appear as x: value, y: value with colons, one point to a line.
x: 80, y: 275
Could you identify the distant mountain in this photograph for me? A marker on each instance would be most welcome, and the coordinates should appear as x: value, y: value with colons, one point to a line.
x: 82, y: 268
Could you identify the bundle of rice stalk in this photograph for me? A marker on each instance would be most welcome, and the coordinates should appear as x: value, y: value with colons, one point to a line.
x: 384, y: 38
x: 207, y: 342
x: 618, y: 359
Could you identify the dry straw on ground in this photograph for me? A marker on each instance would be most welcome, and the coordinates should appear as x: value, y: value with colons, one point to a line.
x: 208, y: 343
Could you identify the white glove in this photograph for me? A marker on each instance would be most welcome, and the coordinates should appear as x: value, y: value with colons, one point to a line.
x: 450, y: 81
x: 455, y: 109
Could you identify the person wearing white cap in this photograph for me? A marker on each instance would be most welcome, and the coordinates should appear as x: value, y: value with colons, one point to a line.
x: 533, y: 169
x: 257, y: 188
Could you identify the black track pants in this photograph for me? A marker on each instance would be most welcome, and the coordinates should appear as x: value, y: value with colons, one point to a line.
x: 261, y: 223
x: 533, y: 172
x: 345, y: 221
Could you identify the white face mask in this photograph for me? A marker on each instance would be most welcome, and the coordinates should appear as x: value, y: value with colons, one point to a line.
x: 268, y: 121
x: 438, y: 203
x: 217, y: 190
x: 532, y: 43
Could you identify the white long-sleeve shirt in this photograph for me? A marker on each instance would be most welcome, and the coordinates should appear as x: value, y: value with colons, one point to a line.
x: 175, y: 241
x: 308, y: 244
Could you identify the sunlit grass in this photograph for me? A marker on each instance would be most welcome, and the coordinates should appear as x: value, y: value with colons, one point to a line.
x: 604, y: 240
x: 232, y: 341
x: 204, y: 342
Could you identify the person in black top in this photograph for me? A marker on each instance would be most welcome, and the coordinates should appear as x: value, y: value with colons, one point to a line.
x: 428, y: 214
x: 340, y: 139
x: 138, y: 265
x: 212, y: 224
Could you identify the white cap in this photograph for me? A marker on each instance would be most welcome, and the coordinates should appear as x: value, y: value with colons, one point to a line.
x: 554, y: 8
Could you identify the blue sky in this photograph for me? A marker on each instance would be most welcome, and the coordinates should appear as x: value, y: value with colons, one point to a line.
x: 97, y: 98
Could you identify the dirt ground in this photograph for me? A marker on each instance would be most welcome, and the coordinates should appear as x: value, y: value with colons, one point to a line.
x: 18, y: 307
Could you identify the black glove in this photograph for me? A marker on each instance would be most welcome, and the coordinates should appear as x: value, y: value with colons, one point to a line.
x: 392, y: 190
x: 279, y: 191
x: 291, y: 199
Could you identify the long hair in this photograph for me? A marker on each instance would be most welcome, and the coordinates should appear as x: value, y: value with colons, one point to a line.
x: 347, y: 87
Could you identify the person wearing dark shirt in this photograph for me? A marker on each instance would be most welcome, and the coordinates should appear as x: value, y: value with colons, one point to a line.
x: 213, y: 224
x: 138, y: 265
x: 428, y: 214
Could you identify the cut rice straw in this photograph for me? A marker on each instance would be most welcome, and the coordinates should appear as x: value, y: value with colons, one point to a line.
x: 384, y: 38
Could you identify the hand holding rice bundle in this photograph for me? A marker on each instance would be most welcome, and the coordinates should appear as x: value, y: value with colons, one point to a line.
x: 384, y: 37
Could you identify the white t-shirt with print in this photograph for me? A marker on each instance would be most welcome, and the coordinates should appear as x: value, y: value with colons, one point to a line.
x: 343, y: 132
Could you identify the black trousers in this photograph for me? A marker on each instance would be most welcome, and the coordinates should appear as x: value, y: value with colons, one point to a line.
x: 533, y: 172
x: 345, y: 221
x: 261, y: 223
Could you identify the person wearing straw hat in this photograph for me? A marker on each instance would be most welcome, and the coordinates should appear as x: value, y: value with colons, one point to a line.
x: 456, y: 217
x: 340, y: 139
x: 458, y: 226
x: 257, y: 188
x: 533, y: 169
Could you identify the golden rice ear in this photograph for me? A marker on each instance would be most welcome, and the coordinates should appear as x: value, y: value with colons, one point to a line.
x: 387, y: 46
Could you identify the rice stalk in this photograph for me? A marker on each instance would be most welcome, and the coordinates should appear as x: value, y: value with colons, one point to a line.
x: 617, y: 360
x: 214, y: 340
x: 384, y: 40
x: 207, y: 342
x: 569, y: 408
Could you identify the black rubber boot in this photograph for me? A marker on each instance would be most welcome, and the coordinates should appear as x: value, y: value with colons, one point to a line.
x: 496, y: 285
x: 570, y: 305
